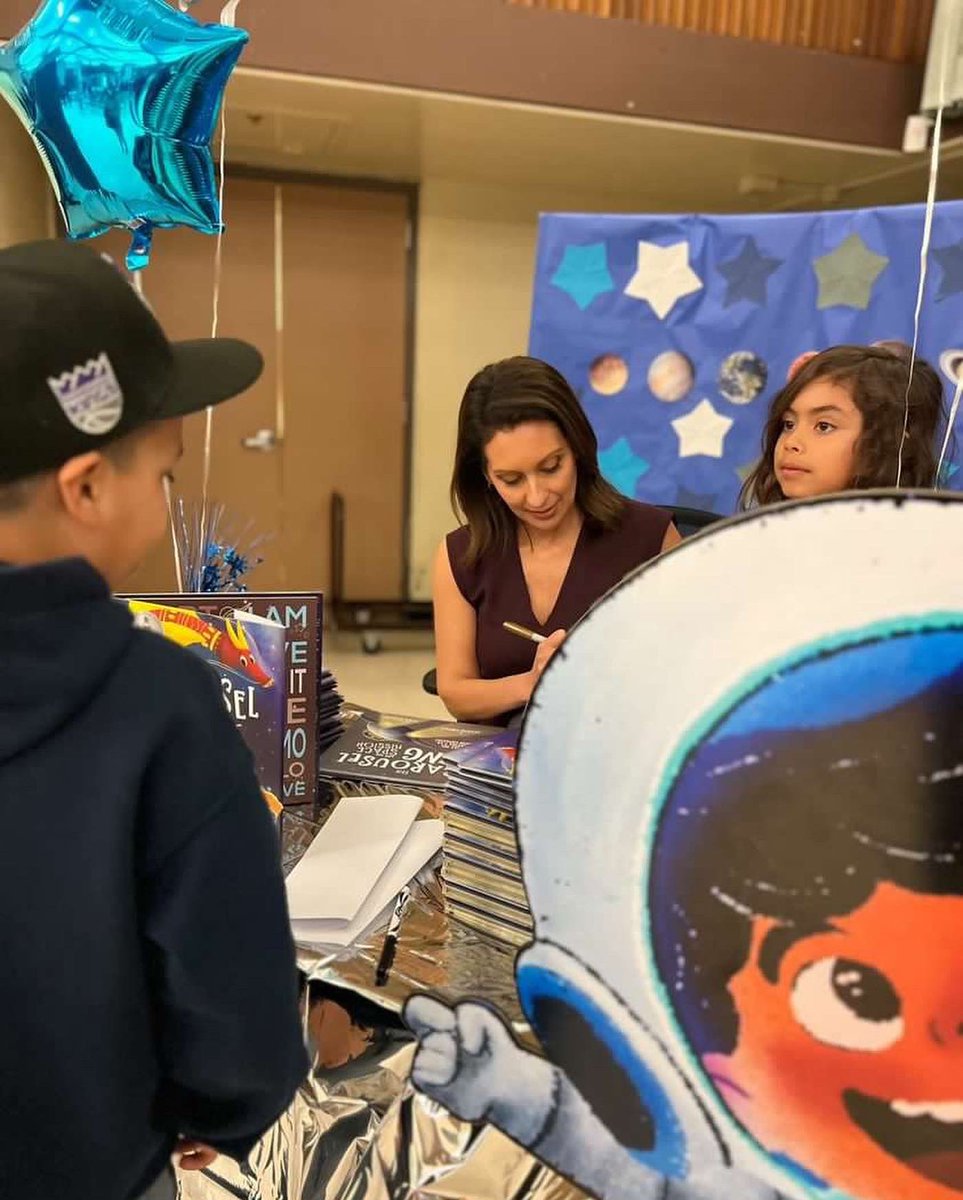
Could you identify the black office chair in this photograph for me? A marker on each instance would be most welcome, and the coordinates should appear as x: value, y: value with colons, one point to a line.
x: 687, y: 520
x: 690, y: 520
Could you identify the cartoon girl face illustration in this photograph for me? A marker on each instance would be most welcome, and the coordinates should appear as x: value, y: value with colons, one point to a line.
x: 743, y: 854
x: 815, y: 935
x: 850, y: 1052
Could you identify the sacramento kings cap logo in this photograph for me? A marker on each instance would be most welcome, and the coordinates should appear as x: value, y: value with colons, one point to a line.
x: 90, y: 396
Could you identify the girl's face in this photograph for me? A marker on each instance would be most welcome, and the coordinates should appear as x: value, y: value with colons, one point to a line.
x: 533, y: 469
x: 816, y: 451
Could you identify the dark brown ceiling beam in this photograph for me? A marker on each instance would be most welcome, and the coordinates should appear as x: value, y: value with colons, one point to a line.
x: 485, y: 48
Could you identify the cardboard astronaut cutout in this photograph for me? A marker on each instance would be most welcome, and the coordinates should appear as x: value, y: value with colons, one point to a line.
x: 740, y: 810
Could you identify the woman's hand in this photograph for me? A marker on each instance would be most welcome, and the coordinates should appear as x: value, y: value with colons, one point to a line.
x: 544, y: 653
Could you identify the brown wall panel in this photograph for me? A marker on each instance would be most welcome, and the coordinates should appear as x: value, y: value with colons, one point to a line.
x: 491, y: 49
x: 895, y: 30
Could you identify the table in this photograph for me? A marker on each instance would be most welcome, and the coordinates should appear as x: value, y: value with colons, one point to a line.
x: 356, y: 1129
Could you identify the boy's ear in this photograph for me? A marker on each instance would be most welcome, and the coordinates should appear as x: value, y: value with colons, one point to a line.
x: 79, y: 482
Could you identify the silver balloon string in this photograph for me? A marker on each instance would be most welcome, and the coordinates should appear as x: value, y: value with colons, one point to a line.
x: 924, y: 251
x: 228, y: 17
x: 950, y: 424
x: 178, y: 568
x: 137, y: 283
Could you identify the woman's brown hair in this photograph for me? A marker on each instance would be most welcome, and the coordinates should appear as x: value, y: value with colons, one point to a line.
x: 502, y: 396
x: 876, y: 378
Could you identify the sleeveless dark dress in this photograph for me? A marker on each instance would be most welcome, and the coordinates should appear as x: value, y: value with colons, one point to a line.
x: 495, y: 585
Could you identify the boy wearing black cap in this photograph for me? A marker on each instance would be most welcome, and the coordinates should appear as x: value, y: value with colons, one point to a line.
x: 148, y: 994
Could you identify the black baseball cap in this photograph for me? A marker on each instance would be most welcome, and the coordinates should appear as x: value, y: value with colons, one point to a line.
x: 83, y: 361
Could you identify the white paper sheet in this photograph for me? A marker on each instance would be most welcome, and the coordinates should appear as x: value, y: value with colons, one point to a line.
x: 346, y: 859
x: 421, y: 843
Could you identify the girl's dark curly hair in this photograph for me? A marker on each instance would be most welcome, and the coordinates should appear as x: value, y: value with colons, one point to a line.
x: 876, y: 377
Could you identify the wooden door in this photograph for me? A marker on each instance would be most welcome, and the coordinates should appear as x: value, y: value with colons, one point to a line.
x: 316, y: 276
x: 345, y: 369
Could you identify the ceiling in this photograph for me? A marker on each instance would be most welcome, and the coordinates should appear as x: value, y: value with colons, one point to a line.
x: 331, y: 127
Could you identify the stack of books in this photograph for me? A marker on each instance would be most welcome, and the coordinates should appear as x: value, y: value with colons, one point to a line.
x: 481, y: 873
x: 382, y: 752
x: 330, y: 722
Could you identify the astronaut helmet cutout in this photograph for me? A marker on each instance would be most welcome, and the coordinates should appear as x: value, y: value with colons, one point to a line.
x: 742, y: 845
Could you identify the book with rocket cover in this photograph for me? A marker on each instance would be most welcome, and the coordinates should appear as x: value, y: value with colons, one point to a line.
x: 312, y: 703
x: 247, y: 652
x: 384, y: 748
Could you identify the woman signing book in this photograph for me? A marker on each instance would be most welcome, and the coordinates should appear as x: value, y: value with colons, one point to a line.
x: 544, y: 537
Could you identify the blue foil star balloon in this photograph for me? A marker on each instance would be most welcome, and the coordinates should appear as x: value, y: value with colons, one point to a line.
x: 121, y: 98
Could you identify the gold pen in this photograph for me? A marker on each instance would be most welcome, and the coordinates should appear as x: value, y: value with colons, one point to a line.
x: 520, y: 631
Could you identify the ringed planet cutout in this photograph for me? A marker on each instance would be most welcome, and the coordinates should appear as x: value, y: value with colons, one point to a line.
x: 951, y: 364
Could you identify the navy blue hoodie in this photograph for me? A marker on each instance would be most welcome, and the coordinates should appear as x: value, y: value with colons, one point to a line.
x: 147, y: 976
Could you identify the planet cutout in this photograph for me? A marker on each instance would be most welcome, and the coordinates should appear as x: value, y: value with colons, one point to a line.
x: 742, y: 376
x: 609, y: 374
x: 671, y: 377
x: 951, y: 364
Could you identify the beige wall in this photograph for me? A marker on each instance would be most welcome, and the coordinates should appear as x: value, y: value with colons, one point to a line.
x: 25, y: 193
x: 476, y: 260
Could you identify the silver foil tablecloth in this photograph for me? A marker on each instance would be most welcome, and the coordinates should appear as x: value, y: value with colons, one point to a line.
x: 356, y: 1129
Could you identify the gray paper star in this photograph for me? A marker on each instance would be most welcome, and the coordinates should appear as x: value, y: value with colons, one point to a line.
x: 847, y: 274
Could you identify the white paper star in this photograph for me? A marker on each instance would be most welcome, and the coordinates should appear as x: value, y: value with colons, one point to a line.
x: 703, y: 431
x: 663, y: 276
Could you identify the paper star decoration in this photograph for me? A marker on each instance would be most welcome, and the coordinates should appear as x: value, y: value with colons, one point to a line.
x: 847, y: 274
x: 950, y: 259
x: 747, y: 274
x: 703, y: 431
x: 663, y: 277
x: 622, y: 467
x: 584, y: 273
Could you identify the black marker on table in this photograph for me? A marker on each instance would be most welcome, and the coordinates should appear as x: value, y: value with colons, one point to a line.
x: 391, y: 938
